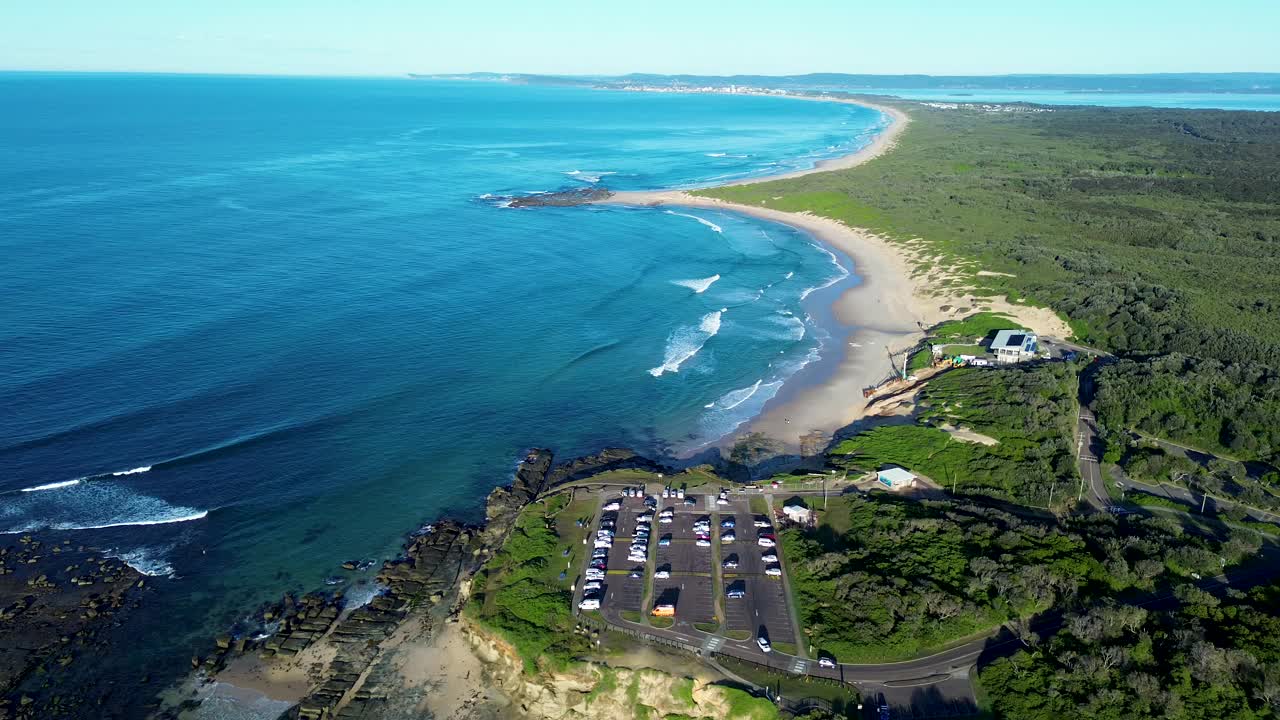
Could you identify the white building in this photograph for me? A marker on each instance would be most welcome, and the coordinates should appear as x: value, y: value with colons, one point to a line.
x: 797, y: 513
x: 1011, y: 346
x: 896, y: 478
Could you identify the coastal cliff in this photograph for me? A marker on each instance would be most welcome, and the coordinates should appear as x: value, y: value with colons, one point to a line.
x: 593, y: 691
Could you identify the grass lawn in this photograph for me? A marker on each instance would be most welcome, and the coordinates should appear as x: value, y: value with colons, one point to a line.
x: 661, y: 622
x: 951, y: 350
x: 758, y: 505
x: 707, y: 627
x: 737, y: 634
x: 979, y: 325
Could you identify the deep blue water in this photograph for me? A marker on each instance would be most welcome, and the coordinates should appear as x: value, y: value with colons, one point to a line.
x: 298, y: 312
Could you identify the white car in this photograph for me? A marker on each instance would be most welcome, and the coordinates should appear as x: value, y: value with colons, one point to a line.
x: 766, y: 542
x: 728, y: 538
x: 769, y: 558
x: 610, y: 507
x: 826, y: 662
x: 666, y: 492
x: 589, y: 604
x: 604, y: 543
x: 773, y: 570
x: 703, y: 543
x: 680, y: 493
x: 594, y: 574
x: 665, y: 521
x: 764, y: 644
x: 762, y: 523
x: 661, y: 574
x: 722, y: 501
x: 592, y: 585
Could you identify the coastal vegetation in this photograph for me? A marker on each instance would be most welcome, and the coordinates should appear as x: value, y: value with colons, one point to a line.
x: 1028, y: 410
x: 520, y: 593
x: 1209, y: 658
x: 883, y: 578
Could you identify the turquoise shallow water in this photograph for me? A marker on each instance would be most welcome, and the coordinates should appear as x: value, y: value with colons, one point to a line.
x: 254, y: 327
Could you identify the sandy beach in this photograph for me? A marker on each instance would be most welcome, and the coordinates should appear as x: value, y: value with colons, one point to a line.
x: 886, y: 312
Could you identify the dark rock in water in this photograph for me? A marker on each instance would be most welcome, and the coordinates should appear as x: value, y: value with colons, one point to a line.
x: 603, y: 461
x: 563, y: 198
x: 56, y: 608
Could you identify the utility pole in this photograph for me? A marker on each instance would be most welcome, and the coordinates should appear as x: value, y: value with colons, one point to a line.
x: 1051, y: 487
x: 1203, y: 499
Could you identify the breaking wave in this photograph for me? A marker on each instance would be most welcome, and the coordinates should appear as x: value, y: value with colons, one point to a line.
x: 704, y: 221
x: 842, y: 274
x: 697, y: 285
x: 90, y: 506
x: 685, y: 342
x: 148, y: 561
x: 51, y: 486
x: 589, y: 177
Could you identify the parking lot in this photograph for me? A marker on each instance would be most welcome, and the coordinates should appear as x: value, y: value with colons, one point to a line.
x: 623, y: 592
x: 690, y: 577
x: 763, y: 611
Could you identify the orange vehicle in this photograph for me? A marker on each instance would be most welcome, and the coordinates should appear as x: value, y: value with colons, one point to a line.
x: 664, y: 610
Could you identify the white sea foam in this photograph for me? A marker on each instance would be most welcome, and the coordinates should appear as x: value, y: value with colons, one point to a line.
x: 697, y: 285
x: 840, y: 275
x: 90, y: 506
x: 716, y: 154
x: 589, y: 177
x: 734, y: 398
x: 52, y: 486
x: 148, y: 561
x: 135, y: 471
x: 685, y: 342
x: 704, y: 221
x: 789, y: 275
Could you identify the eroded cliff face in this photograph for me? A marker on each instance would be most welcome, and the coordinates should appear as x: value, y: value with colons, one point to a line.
x: 589, y: 691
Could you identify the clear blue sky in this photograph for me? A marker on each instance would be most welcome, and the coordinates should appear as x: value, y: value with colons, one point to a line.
x: 391, y: 37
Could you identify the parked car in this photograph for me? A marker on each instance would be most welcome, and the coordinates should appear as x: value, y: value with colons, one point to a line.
x: 589, y: 604
x: 773, y: 570
x: 729, y: 564
x: 661, y: 574
x: 703, y: 543
x: 680, y: 493
x: 765, y: 542
x: 612, y: 506
x: 664, y: 542
x: 728, y: 523
x: 690, y: 501
x: 727, y: 538
x: 761, y: 523
x: 826, y: 662
x: 764, y: 644
x: 592, y: 585
x: 769, y: 558
x: 735, y: 594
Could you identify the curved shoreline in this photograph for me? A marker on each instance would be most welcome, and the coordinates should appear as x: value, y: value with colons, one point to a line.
x: 886, y: 312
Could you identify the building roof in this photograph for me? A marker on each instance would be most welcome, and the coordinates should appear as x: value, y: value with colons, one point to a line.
x: 896, y: 475
x: 1014, y: 340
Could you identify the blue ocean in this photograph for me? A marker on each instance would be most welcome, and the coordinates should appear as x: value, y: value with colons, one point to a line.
x: 255, y: 327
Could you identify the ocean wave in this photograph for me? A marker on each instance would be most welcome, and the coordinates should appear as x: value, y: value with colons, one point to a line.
x: 795, y: 326
x: 734, y: 398
x: 589, y: 177
x: 135, y: 471
x: 76, y: 481
x: 697, y: 285
x: 704, y: 221
x: 148, y: 561
x: 90, y: 506
x: 52, y: 485
x: 842, y: 274
x: 685, y: 342
x: 789, y: 275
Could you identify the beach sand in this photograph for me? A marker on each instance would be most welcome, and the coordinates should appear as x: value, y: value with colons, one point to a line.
x: 886, y: 312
